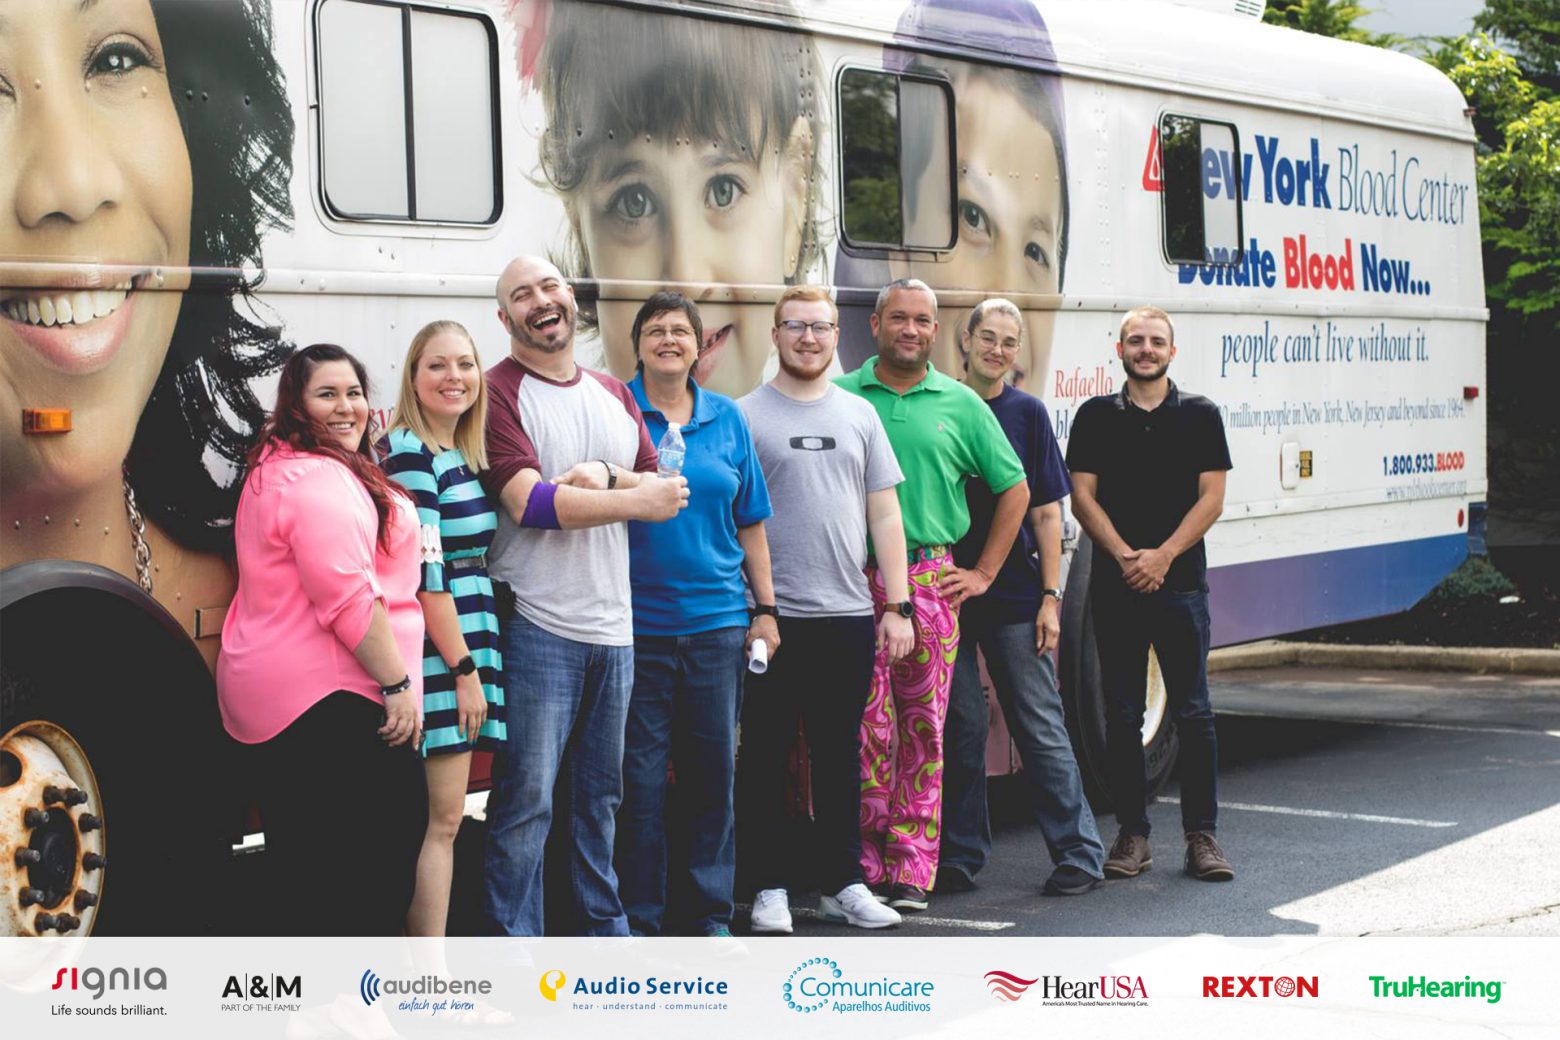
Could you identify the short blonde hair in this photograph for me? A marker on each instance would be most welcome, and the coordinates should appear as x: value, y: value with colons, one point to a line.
x: 471, y: 427
x: 1144, y: 312
x: 807, y: 294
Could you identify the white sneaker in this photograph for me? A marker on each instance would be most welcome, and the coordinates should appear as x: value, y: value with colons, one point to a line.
x: 771, y: 912
x: 858, y: 907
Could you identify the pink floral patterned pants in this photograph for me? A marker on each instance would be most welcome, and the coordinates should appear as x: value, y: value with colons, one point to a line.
x: 901, y: 737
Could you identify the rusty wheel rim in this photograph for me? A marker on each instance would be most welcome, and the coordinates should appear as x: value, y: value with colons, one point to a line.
x: 52, y: 834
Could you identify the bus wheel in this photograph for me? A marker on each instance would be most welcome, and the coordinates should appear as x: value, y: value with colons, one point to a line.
x: 110, y: 736
x: 1083, y: 695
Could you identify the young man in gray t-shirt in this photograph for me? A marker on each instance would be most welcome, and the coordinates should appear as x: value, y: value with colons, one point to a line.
x: 831, y: 476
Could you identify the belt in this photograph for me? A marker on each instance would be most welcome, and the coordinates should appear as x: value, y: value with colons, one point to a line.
x: 920, y: 554
x: 468, y: 563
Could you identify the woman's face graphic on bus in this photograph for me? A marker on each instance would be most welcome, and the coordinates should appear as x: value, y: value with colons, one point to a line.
x: 95, y: 171
x: 1009, y: 221
x: 703, y: 216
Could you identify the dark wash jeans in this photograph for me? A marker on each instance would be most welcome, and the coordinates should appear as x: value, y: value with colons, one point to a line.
x: 565, y: 704
x: 820, y: 679
x: 1026, y: 691
x: 1126, y: 624
x: 687, y: 698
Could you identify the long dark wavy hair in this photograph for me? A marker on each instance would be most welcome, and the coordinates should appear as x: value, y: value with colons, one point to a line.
x: 238, y: 127
x: 291, y: 424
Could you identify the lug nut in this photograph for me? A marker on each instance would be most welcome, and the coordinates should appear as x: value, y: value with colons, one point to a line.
x: 29, y: 896
x: 52, y: 795
x: 75, y: 796
x: 89, y: 861
x: 28, y: 857
x: 85, y: 899
x: 35, y: 818
x: 67, y: 923
x: 87, y: 822
x: 43, y: 922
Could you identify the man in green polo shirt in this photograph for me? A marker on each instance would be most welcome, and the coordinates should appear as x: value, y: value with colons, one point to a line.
x: 942, y: 434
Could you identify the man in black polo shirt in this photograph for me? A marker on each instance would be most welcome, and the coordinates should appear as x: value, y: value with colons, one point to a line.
x: 1148, y: 467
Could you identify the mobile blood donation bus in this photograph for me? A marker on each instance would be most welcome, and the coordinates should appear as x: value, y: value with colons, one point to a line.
x: 189, y: 191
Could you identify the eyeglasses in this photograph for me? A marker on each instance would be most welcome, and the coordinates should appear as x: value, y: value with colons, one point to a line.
x: 989, y: 338
x: 820, y: 329
x: 656, y: 333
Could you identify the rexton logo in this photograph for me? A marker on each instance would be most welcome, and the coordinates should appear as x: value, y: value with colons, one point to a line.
x: 1260, y: 985
x: 96, y: 981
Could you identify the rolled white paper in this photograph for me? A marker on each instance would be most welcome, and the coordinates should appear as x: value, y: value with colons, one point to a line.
x: 758, y: 657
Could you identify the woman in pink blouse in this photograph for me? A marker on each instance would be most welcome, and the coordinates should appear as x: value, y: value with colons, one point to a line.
x: 320, y: 675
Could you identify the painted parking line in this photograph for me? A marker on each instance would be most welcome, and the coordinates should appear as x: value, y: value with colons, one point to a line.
x: 910, y: 918
x: 1504, y: 731
x: 1325, y: 814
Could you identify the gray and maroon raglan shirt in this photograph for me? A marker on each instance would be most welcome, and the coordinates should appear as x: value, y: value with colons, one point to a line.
x: 574, y: 583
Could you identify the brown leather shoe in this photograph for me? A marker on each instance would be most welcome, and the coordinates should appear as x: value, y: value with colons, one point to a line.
x: 1129, y: 856
x: 1205, y: 860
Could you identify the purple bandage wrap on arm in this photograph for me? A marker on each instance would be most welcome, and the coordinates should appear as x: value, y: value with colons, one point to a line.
x: 539, y: 508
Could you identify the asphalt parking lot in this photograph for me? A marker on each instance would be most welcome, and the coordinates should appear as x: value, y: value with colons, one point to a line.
x: 1352, y: 803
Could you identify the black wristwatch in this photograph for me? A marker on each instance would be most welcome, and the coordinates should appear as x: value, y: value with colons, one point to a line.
x: 465, y: 666
x: 611, y: 473
x: 760, y: 609
x: 904, y: 608
x: 400, y: 687
x: 1055, y: 594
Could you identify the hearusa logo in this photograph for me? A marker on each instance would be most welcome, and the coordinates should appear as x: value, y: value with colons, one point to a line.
x: 1098, y: 991
x: 1467, y: 988
x: 419, y: 992
x: 820, y: 982
x: 1260, y: 986
x: 1005, y: 985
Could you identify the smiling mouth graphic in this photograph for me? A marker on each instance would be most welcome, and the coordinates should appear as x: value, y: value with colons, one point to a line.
x: 76, y: 307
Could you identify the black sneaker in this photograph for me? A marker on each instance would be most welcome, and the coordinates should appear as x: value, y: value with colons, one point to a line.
x: 1068, y: 880
x: 953, y: 879
x: 907, y: 897
x: 882, y: 891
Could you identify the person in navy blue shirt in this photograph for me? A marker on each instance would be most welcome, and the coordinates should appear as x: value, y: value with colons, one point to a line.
x: 1015, y: 625
x: 692, y: 629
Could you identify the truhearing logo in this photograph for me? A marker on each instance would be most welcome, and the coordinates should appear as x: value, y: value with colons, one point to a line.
x: 551, y: 983
x: 1006, y: 986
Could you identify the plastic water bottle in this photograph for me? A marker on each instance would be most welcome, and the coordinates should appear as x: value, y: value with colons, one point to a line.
x: 672, y: 451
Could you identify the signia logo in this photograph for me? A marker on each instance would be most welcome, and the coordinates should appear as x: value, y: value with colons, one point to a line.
x: 551, y: 983
x: 1260, y: 986
x: 96, y: 981
x: 1007, y: 986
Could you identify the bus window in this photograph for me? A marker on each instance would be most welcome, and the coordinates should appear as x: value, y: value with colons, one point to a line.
x: 408, y: 113
x: 1201, y: 166
x: 896, y: 161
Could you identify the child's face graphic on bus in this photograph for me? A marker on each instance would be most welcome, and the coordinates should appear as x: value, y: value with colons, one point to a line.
x: 1009, y: 220
x: 95, y: 171
x: 702, y: 216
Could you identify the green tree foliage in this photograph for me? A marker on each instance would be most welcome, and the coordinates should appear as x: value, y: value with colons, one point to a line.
x: 1333, y: 18
x: 1531, y: 31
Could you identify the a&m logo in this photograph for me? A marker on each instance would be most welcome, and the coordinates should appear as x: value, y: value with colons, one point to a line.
x: 551, y: 983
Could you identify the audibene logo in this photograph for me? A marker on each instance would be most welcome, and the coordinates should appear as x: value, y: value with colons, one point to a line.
x: 1420, y: 986
x: 1261, y: 985
x: 426, y: 994
x: 98, y: 982
x: 820, y: 984
x: 622, y: 993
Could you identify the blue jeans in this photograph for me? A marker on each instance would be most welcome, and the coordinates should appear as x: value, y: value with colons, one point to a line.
x: 565, y: 704
x: 687, y: 698
x: 1025, y: 683
x: 1126, y: 624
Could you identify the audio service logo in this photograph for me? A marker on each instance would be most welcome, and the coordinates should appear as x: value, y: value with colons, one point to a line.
x: 1006, y: 986
x: 552, y: 982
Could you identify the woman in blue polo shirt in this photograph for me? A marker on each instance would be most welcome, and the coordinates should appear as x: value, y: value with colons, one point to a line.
x: 692, y: 628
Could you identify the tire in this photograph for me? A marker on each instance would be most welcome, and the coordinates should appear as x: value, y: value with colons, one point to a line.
x: 87, y: 651
x: 1083, y: 694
